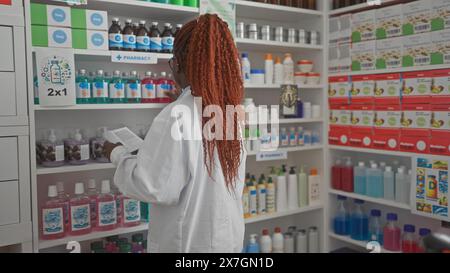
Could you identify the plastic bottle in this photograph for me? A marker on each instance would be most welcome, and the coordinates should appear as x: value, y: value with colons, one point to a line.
x: 336, y: 175
x: 246, y: 68
x: 288, y: 69
x: 50, y: 152
x: 268, y: 68
x: 119, y: 205
x: 253, y: 246
x: 293, y: 230
x: 115, y: 35
x: 106, y: 208
x: 265, y: 242
x: 360, y: 181
x: 80, y: 219
x: 300, y: 108
x: 167, y: 39
x: 279, y: 71
x: 155, y: 38
x: 282, y: 199
x: 359, y: 223
x: 341, y: 222
x: 313, y: 240
x: 401, y: 186
x: 117, y: 88
x: 262, y: 191
x: 129, y: 38
x: 100, y: 88
x: 288, y: 243
x: 172, y: 84
x: 142, y: 38
x: 148, y: 88
x: 375, y: 228
x: 253, y: 192
x: 270, y: 196
x: 131, y: 212
x: 292, y: 189
x: 347, y: 176
x: 52, y: 213
x: 409, y: 242
x: 314, y: 187
x: 391, y: 233
x: 375, y: 185
x: 300, y: 136
x: 77, y: 149
x: 246, y: 201
x: 277, y: 241
x: 83, y: 88
x: 65, y: 198
x: 92, y: 193
x: 301, y: 242
x: 97, y: 143
x: 293, y: 137
x: 389, y: 183
x: 133, y: 88
x: 163, y: 86
x: 423, y: 232
x: 302, y: 188
x: 177, y: 29
x: 284, y: 137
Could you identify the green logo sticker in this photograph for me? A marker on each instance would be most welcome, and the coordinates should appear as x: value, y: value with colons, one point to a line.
x: 421, y: 122
x: 392, y: 121
x: 392, y: 90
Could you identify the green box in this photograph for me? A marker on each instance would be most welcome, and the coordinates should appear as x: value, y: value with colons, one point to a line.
x: 50, y: 15
x: 89, y: 19
x: 38, y: 14
x: 39, y: 36
x: 78, y: 17
x: 79, y: 40
x: 48, y: 36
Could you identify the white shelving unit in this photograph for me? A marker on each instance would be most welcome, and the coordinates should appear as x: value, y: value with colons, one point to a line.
x: 396, y: 70
x: 130, y: 106
x: 277, y: 86
x: 293, y: 149
x: 380, y: 201
x: 359, y: 244
x: 272, y: 46
x: 364, y: 6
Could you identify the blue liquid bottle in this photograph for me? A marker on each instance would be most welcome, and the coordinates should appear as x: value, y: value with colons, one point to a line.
x: 100, y: 93
x: 360, y: 179
x: 117, y: 89
x: 375, y: 228
x: 359, y: 223
x: 341, y: 223
x: 83, y: 86
x: 133, y: 88
x: 375, y: 185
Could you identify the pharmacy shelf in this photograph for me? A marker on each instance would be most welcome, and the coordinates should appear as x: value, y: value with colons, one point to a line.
x: 278, y: 86
x: 270, y: 216
x: 379, y: 201
x: 92, y: 236
x: 361, y: 244
x: 75, y: 168
x: 124, y: 106
x: 364, y: 6
x: 372, y: 151
x: 300, y: 120
x: 291, y: 149
x: 245, y: 45
x: 396, y: 70
x: 262, y: 11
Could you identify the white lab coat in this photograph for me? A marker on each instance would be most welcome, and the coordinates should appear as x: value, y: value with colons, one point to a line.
x: 190, y: 212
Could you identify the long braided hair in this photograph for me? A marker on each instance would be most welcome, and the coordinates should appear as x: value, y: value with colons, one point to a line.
x: 206, y: 53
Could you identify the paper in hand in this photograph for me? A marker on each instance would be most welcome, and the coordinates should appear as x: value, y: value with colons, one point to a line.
x: 130, y: 141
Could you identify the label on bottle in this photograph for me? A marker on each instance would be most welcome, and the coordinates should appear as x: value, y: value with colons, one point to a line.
x: 117, y: 90
x: 52, y: 221
x: 131, y: 211
x: 100, y: 90
x: 143, y: 42
x: 107, y: 213
x: 149, y: 91
x: 270, y: 199
x: 167, y: 43
x: 262, y: 201
x: 155, y: 44
x: 59, y: 153
x: 129, y: 41
x: 293, y: 139
x: 84, y: 151
x: 115, y: 40
x: 284, y: 140
x: 133, y: 90
x: 246, y: 203
x: 288, y: 74
x: 93, y: 206
x: 83, y: 90
x: 80, y: 217
x: 161, y: 89
x: 253, y: 202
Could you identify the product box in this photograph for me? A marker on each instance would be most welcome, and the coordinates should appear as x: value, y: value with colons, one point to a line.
x: 387, y: 124
x: 440, y: 17
x: 415, y: 132
x: 89, y: 39
x: 333, y: 29
x: 340, y: 116
x: 339, y: 136
x: 389, y: 53
x: 417, y: 50
x: 440, y: 143
x: 440, y: 87
x: 440, y: 52
x: 363, y: 56
x: 89, y: 19
x: 416, y: 87
x: 362, y: 90
x: 387, y: 88
x: 345, y: 59
x: 345, y: 29
x: 45, y: 36
x: 49, y: 15
x: 362, y: 117
x: 417, y: 17
x: 338, y: 90
x: 389, y: 22
x: 333, y: 59
x: 440, y: 117
x: 363, y: 26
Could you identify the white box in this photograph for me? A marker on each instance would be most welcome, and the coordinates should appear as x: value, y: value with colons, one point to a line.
x: 417, y: 50
x: 417, y: 17
x: 97, y: 40
x: 440, y: 17
x: 389, y: 22
x: 59, y: 37
x: 345, y: 29
x: 440, y: 53
x: 333, y: 31
x: 345, y: 59
x: 97, y: 19
x: 389, y: 53
x: 363, y: 26
x: 363, y: 56
x: 333, y: 59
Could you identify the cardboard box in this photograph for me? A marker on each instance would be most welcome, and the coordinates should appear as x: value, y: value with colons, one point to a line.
x: 389, y: 142
x: 345, y: 59
x: 440, y: 17
x: 89, y: 19
x: 362, y: 90
x: 345, y: 29
x: 440, y: 53
x: 416, y: 87
x: 340, y: 116
x: 417, y: 17
x: 363, y: 26
x: 89, y: 39
x: 49, y: 15
x: 417, y: 118
x: 389, y: 22
x: 339, y: 136
x: 440, y: 143
x: 362, y: 117
x: 333, y: 59
x: 414, y: 144
x: 440, y: 117
x: 334, y: 31
x: 387, y: 89
x: 338, y: 90
x: 389, y: 53
x: 440, y: 87
x: 45, y: 36
x: 417, y: 50
x: 387, y: 124
x: 363, y: 56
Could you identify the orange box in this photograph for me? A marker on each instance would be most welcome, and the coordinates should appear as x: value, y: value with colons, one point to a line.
x: 362, y: 89
x: 338, y: 90
x: 388, y: 89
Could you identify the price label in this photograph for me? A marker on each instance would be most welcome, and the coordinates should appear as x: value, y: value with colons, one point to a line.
x: 133, y: 57
x: 269, y: 156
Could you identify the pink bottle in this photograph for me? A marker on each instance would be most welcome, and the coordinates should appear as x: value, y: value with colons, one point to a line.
x: 92, y: 194
x: 148, y: 88
x: 106, y: 208
x: 80, y: 214
x: 409, y: 242
x: 162, y: 86
x: 336, y: 175
x: 131, y: 212
x: 65, y: 198
x: 392, y: 233
x: 119, y: 207
x: 347, y: 176
x: 53, y: 216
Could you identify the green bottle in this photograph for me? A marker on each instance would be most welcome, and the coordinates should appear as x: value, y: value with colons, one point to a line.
x: 191, y: 3
x: 117, y: 89
x: 133, y: 88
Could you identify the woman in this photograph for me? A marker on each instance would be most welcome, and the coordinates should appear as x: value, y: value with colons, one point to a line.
x: 194, y: 186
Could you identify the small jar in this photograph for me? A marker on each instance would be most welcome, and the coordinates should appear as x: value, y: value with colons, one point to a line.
x: 305, y: 66
x: 292, y: 35
x: 279, y: 34
x: 257, y: 76
x: 300, y: 78
x: 240, y: 30
x: 253, y: 31
x: 307, y: 110
x: 314, y: 38
x: 313, y: 79
x: 302, y: 36
x: 266, y: 33
x: 76, y: 149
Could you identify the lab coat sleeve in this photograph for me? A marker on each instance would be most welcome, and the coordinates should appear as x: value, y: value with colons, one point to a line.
x: 159, y: 172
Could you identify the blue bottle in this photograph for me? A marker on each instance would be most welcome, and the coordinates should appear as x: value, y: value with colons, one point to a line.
x: 359, y: 223
x: 100, y: 92
x: 133, y: 88
x: 375, y: 228
x: 83, y: 86
x: 253, y: 246
x: 375, y: 185
x: 117, y: 89
x: 341, y: 223
x: 360, y: 180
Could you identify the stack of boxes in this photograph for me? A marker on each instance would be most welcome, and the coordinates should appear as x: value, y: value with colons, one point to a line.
x: 65, y: 27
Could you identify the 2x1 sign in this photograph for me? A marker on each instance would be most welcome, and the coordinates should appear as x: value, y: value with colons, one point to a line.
x: 133, y: 57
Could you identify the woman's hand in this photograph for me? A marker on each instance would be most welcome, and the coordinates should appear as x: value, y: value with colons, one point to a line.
x: 108, y: 147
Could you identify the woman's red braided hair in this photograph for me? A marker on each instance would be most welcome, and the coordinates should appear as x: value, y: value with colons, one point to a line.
x: 206, y: 53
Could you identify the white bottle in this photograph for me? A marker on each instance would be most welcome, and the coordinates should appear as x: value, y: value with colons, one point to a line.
x: 314, y: 188
x: 301, y: 242
x: 292, y: 189
x: 288, y: 243
x: 302, y: 188
x: 288, y: 69
x: 281, y: 190
x: 279, y: 72
x: 269, y: 69
x: 400, y: 181
x: 313, y: 240
x: 246, y: 68
x: 277, y: 241
x: 389, y: 183
x: 265, y: 242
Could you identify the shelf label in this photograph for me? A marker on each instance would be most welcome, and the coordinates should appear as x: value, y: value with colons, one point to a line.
x: 269, y: 156
x: 133, y: 57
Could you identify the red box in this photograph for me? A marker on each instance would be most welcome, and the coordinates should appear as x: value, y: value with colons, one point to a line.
x: 415, y: 144
x: 440, y: 88
x: 388, y: 89
x: 5, y: 2
x: 440, y: 143
x: 339, y: 136
x: 361, y: 130
x: 385, y: 139
x: 416, y: 87
x: 339, y: 90
x: 340, y: 116
x: 361, y: 138
x: 362, y: 89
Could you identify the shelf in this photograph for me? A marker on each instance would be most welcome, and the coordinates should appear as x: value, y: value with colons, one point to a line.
x: 277, y: 86
x: 130, y: 106
x: 73, y: 168
x: 280, y: 214
x: 362, y: 7
x: 262, y: 11
x: 300, y: 120
x: 396, y: 70
x: 361, y: 244
x: 379, y: 201
x: 292, y: 149
x: 273, y: 46
x: 91, y: 236
x: 371, y: 151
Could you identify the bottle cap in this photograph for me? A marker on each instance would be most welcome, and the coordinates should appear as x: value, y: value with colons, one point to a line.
x: 60, y: 186
x: 105, y: 186
x: 133, y: 73
x: 163, y: 74
x: 52, y: 191
x: 155, y: 23
x: 401, y: 170
x: 115, y: 19
x: 358, y: 201
x: 148, y: 74
x: 342, y: 198
x: 361, y: 164
x: 79, y: 188
x: 392, y: 217
x: 374, y: 166
x: 167, y: 25
x: 409, y: 228
x: 77, y: 136
x: 424, y: 232
x: 269, y: 57
x: 179, y: 25
x: 287, y: 55
x: 313, y: 171
x: 142, y: 22
x: 92, y: 184
x: 265, y: 232
x: 244, y: 55
x: 304, y: 62
x: 277, y: 230
x: 292, y: 229
x: 82, y: 71
x: 117, y: 73
x: 278, y: 60
x: 99, y: 72
x: 128, y: 21
x: 52, y: 136
x: 388, y: 169
x: 375, y: 213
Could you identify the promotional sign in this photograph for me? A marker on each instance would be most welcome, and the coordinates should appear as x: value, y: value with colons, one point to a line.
x: 133, y: 57
x: 56, y: 76
x: 225, y: 9
x: 430, y: 187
